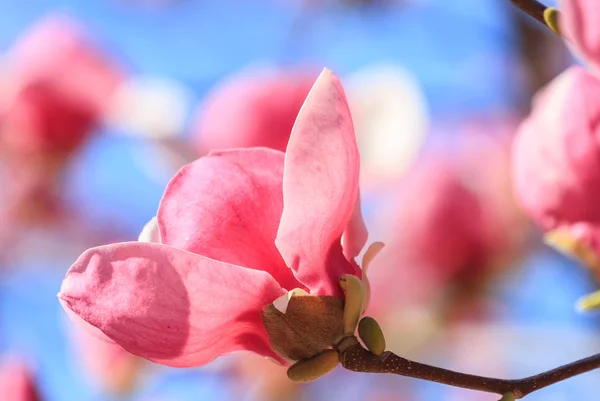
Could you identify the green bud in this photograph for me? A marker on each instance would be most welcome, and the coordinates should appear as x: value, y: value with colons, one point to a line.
x: 551, y: 16
x: 310, y: 369
x: 568, y: 244
x: 589, y: 302
x: 354, y: 290
x: 510, y: 396
x: 370, y: 333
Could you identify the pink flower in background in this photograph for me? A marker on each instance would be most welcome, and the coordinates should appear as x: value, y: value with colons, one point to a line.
x: 106, y: 363
x: 484, y: 157
x: 580, y: 24
x: 556, y: 163
x: 437, y: 231
x: 16, y: 381
x: 252, y: 108
x: 238, y: 228
x: 57, y: 84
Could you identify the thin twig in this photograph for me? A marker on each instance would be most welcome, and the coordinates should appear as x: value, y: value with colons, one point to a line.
x: 533, y: 8
x: 358, y: 359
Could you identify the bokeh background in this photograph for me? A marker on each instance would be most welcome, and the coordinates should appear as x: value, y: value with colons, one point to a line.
x: 101, y: 101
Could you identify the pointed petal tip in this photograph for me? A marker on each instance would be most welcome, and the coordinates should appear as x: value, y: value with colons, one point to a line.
x: 327, y: 76
x: 320, y: 188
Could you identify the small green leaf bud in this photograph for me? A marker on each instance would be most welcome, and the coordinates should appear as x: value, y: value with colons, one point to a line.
x: 370, y: 333
x: 312, y: 368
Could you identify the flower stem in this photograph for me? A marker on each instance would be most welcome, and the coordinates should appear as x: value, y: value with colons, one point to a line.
x: 358, y: 359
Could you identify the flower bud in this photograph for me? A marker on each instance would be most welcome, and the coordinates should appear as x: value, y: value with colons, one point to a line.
x: 310, y: 369
x: 370, y: 333
x: 556, y: 163
x: 551, y: 16
x: 309, y: 325
x: 355, y: 293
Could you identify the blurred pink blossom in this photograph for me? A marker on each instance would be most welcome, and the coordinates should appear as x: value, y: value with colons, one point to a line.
x: 484, y: 158
x: 16, y: 381
x: 556, y: 163
x: 437, y: 231
x: 237, y: 229
x: 445, y: 239
x: 106, y: 363
x: 257, y: 107
x: 580, y: 24
x: 57, y: 83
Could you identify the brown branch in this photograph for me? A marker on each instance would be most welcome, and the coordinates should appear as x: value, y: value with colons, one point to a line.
x: 533, y: 8
x: 358, y: 359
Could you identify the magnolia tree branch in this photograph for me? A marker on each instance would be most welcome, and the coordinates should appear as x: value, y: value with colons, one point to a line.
x: 358, y: 359
x: 533, y: 8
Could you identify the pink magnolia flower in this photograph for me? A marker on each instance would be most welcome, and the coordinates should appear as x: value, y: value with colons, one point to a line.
x: 556, y: 163
x: 57, y: 85
x: 438, y: 231
x: 580, y: 24
x: 253, y: 108
x: 17, y: 382
x: 237, y: 229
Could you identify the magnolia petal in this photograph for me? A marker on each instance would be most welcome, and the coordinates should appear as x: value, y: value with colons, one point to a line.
x: 557, y: 177
x: 150, y: 232
x: 320, y: 188
x: 356, y: 234
x: 283, y: 301
x: 227, y: 207
x: 579, y: 22
x: 170, y: 306
x: 372, y: 251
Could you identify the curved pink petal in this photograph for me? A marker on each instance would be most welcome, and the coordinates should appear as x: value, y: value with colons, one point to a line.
x: 227, y: 206
x: 580, y: 24
x: 168, y: 305
x: 150, y: 232
x: 356, y: 234
x: 320, y: 188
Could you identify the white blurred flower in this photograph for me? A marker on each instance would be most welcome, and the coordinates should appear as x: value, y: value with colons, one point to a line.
x: 390, y: 118
x: 151, y: 107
